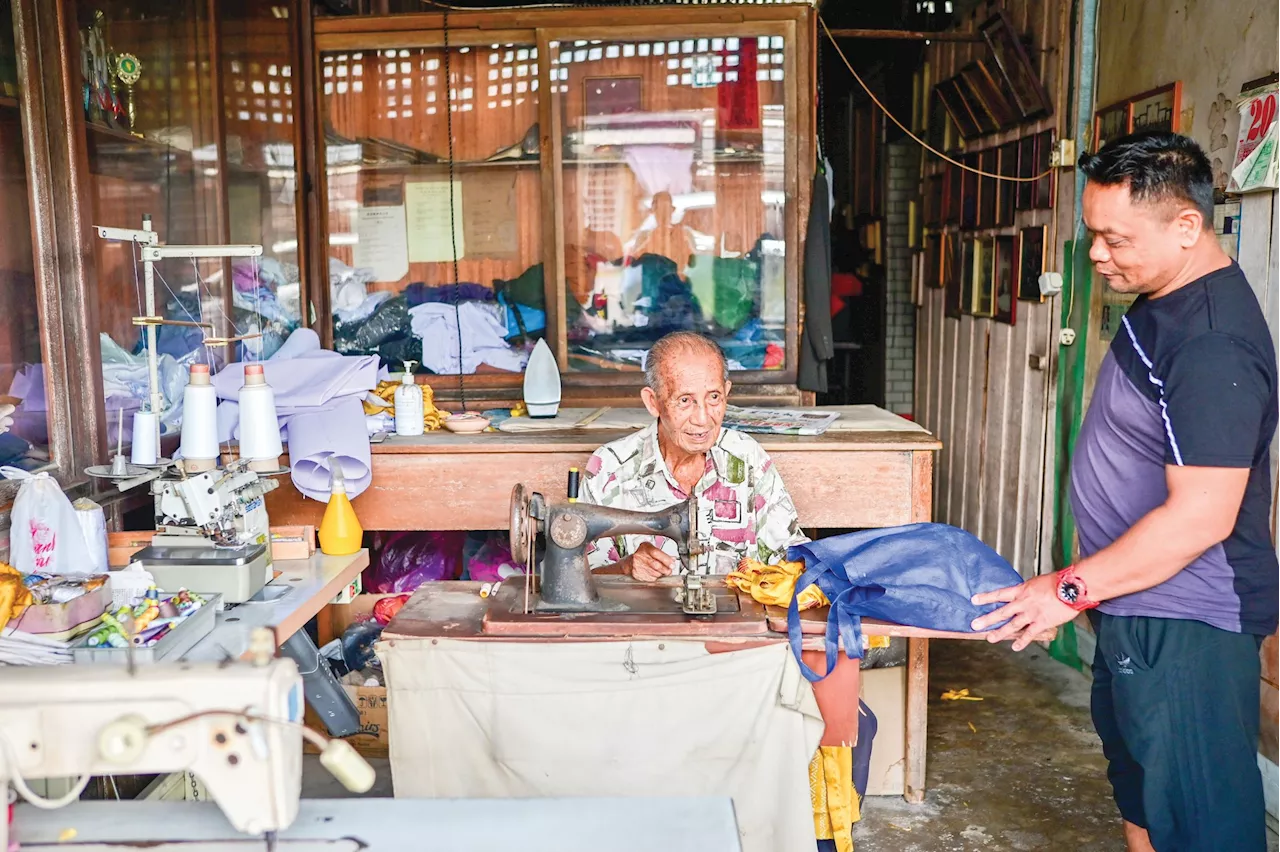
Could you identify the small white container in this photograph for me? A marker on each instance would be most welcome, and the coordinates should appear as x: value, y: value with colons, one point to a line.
x: 409, y: 406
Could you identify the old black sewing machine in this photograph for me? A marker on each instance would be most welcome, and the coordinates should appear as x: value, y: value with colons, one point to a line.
x: 561, y: 595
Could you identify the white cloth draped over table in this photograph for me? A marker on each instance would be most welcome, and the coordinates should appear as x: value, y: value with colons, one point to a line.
x: 318, y: 396
x: 526, y: 719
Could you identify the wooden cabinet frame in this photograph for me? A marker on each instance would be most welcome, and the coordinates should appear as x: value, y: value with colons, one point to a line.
x: 541, y: 27
x: 55, y: 146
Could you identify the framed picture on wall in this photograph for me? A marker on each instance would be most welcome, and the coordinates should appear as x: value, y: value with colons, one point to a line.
x: 1110, y: 123
x: 969, y: 192
x: 1018, y: 74
x: 968, y: 257
x: 956, y: 107
x: 988, y: 187
x: 981, y: 115
x: 1006, y: 190
x: 1026, y: 190
x: 1156, y: 110
x: 1030, y: 263
x: 984, y: 289
x: 933, y: 260
x: 984, y: 87
x: 934, y: 201
x: 951, y: 273
x: 1047, y: 185
x: 1006, y: 296
x: 955, y: 195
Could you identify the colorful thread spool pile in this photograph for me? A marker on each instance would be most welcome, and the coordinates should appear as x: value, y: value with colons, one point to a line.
x: 145, y: 624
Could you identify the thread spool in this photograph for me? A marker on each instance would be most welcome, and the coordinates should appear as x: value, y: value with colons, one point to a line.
x: 146, y: 437
x: 199, y: 422
x: 259, y: 426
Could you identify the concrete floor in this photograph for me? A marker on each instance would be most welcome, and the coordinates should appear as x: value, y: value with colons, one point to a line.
x: 1020, y: 770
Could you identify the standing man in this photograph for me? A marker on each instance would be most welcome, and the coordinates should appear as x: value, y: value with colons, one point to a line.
x: 1170, y: 487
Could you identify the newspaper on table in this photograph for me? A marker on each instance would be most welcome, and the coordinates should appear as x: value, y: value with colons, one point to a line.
x: 779, y: 421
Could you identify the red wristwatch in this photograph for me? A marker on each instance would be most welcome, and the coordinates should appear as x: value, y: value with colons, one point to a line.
x: 1073, y: 592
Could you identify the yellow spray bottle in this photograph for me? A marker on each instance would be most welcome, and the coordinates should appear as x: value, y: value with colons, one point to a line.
x: 340, y: 530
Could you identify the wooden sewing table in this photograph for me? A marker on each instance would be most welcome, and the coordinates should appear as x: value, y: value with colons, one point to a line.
x: 455, y: 610
x: 859, y: 479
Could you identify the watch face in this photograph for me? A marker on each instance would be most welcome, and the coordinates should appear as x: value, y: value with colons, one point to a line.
x: 1069, y: 592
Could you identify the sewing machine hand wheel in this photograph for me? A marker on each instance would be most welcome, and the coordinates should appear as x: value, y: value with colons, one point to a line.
x: 522, y: 528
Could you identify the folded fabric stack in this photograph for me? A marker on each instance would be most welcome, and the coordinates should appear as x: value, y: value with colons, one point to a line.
x: 319, y: 399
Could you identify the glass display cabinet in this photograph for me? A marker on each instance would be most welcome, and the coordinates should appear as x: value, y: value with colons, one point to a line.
x: 594, y: 183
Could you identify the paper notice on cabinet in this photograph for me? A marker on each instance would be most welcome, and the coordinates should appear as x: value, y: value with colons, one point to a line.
x: 491, y: 215
x: 434, y: 228
x: 380, y: 242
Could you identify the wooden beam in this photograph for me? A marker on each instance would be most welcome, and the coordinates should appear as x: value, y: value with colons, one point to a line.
x: 907, y: 35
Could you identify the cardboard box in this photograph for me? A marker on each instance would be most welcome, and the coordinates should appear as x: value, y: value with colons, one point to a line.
x: 293, y: 542
x: 885, y: 691
x: 373, y: 739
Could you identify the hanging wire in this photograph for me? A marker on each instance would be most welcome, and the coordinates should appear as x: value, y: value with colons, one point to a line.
x: 907, y: 130
x: 453, y: 225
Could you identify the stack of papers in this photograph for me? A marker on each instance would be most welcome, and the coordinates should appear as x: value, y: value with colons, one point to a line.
x: 18, y: 648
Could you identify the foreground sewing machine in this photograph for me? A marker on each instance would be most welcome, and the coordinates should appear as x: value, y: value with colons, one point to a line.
x: 236, y: 726
x: 212, y: 532
x: 560, y: 588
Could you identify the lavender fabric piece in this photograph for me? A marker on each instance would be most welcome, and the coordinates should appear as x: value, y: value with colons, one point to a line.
x: 309, y: 380
x: 317, y: 438
x: 319, y: 397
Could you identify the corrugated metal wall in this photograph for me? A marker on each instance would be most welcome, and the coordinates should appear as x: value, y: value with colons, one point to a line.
x: 976, y: 388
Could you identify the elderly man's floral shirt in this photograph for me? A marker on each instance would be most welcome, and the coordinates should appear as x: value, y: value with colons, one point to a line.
x: 744, y: 509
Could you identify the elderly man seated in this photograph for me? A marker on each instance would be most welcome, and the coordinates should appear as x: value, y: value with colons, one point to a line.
x: 744, y: 509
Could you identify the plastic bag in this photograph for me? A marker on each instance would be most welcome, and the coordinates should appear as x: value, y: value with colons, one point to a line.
x: 389, y: 321
x: 493, y: 562
x: 409, y: 559
x: 45, y: 535
x: 386, y: 609
x: 923, y: 575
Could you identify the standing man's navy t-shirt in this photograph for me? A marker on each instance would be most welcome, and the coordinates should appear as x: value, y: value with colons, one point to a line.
x: 1190, y: 379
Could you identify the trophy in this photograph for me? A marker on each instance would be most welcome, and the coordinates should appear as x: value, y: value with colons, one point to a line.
x: 127, y: 71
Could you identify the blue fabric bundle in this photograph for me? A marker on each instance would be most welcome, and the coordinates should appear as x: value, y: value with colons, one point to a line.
x: 922, y: 575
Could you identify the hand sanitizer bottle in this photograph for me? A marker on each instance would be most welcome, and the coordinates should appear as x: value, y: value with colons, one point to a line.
x: 409, y: 414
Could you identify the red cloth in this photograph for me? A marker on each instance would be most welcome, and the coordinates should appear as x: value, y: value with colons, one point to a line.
x: 740, y: 99
x: 844, y: 285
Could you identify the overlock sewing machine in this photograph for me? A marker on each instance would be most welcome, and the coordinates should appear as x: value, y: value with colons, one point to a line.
x: 562, y: 594
x: 212, y: 532
x: 236, y: 726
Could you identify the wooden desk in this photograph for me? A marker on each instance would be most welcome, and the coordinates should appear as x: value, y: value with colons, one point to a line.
x: 443, y: 481
x: 308, y: 586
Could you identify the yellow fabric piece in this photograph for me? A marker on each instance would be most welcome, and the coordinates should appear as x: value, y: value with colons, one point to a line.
x: 835, y: 802
x: 14, y: 595
x: 773, y: 585
x: 432, y: 417
x: 959, y: 695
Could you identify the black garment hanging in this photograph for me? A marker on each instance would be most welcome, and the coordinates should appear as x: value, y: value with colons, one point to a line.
x: 816, y: 342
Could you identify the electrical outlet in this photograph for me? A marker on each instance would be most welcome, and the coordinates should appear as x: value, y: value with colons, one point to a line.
x: 1063, y: 155
x: 1067, y: 336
